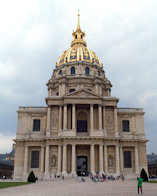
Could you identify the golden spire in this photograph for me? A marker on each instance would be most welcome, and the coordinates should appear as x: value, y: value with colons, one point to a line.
x: 78, y: 22
x: 78, y: 35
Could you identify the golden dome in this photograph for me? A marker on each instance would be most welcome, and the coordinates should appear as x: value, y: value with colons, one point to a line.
x: 78, y: 50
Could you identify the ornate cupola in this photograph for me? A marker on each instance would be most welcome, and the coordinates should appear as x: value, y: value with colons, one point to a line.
x: 78, y: 35
x: 78, y: 51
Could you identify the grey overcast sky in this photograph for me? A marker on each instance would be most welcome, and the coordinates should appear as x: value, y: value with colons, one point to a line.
x: 34, y: 33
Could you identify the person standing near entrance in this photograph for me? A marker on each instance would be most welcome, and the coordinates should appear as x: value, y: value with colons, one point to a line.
x: 139, y: 185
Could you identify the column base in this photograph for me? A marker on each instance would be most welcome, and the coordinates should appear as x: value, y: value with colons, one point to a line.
x: 93, y: 173
x: 73, y: 174
x: 64, y: 173
x: 105, y: 132
x: 25, y: 175
x: 118, y: 173
x: 137, y: 172
x: 59, y: 174
x: 46, y: 176
x: 101, y: 172
x: 116, y: 133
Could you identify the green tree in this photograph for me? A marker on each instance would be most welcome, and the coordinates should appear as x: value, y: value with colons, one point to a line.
x: 31, y: 177
x: 144, y: 175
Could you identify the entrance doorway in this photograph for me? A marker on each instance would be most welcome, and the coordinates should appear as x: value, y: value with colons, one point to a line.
x: 82, y: 169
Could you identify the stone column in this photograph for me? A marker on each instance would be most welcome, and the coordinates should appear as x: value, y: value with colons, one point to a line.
x: 101, y: 159
x: 29, y: 122
x: 115, y: 122
x: 48, y: 117
x: 47, y: 174
x: 59, y: 160
x: 104, y: 121
x: 73, y: 117
x: 73, y: 159
x: 65, y: 117
x: 121, y: 159
x: 91, y: 116
x: 117, y: 160
x: 26, y: 161
x: 60, y: 118
x: 105, y: 159
x: 100, y: 117
x: 92, y: 159
x: 64, y: 168
x: 42, y: 160
x: 136, y: 161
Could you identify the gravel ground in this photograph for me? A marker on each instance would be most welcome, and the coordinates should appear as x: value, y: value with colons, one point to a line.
x: 74, y: 187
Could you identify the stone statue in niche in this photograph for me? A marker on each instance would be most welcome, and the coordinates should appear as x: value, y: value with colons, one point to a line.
x: 110, y: 161
x: 53, y: 161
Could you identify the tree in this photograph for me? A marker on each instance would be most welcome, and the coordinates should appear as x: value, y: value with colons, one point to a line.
x: 31, y: 177
x: 144, y: 175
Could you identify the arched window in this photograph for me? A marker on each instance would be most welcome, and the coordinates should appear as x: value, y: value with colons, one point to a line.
x: 73, y: 71
x: 99, y: 73
x: 87, y: 70
x: 75, y: 36
x: 60, y: 72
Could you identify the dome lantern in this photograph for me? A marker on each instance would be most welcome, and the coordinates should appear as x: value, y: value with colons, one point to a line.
x: 78, y: 35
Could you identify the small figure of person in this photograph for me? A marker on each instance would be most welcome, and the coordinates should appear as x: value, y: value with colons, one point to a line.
x: 122, y: 176
x: 83, y: 180
x: 63, y: 177
x: 139, y: 184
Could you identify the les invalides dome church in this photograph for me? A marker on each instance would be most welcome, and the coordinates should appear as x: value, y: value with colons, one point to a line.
x: 81, y: 130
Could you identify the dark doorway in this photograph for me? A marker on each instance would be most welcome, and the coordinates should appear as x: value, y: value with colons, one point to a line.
x: 81, y: 125
x: 82, y: 166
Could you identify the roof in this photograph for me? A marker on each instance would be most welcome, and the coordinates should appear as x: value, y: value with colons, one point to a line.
x: 6, y: 162
x: 2, y: 156
x: 11, y: 154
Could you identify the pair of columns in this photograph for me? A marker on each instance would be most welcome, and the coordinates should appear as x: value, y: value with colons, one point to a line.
x: 60, y: 117
x: 117, y: 159
x: 92, y: 116
x: 41, y: 159
x: 65, y: 117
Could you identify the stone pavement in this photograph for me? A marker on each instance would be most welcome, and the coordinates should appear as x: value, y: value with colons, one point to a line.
x: 74, y: 187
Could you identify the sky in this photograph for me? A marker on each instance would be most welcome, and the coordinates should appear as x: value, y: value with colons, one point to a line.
x: 34, y: 33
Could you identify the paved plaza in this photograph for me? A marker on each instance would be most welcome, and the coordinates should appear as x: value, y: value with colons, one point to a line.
x: 74, y: 187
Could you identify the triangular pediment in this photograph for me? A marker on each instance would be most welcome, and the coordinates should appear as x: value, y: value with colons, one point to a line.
x: 82, y: 93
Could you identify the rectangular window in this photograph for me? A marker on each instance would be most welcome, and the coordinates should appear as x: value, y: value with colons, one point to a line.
x: 35, y: 159
x: 36, y: 125
x: 127, y: 159
x: 126, y: 126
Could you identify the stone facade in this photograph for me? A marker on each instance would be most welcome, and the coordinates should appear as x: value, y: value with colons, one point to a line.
x: 81, y: 120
